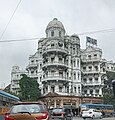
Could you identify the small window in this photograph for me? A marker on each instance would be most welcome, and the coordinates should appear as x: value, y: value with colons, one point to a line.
x: 52, y: 33
x: 78, y: 75
x: 32, y: 61
x: 74, y: 63
x: 89, y: 56
x: 73, y: 50
x: 78, y: 89
x: 60, y: 59
x: 96, y: 68
x: 91, y: 92
x: 74, y: 76
x: 78, y: 63
x: 67, y: 74
x: 84, y: 68
x: 90, y: 68
x: 97, y: 91
x: 75, y: 89
x: 67, y: 89
x: 90, y: 80
x: 40, y: 66
x: 96, y: 78
x: 40, y: 79
x: 60, y: 89
x: 85, y: 80
x: 52, y: 45
x: 59, y: 33
x: 85, y: 91
x: 32, y: 72
x: 53, y: 89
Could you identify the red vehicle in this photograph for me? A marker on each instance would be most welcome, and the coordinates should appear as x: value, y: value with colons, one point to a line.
x: 28, y: 111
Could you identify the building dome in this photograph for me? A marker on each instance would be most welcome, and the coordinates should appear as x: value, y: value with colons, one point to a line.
x: 55, y: 23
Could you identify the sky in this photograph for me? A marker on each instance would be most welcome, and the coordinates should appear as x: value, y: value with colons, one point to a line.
x: 30, y: 21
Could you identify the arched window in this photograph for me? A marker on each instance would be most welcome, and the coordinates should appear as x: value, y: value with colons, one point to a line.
x: 74, y: 63
x: 67, y: 74
x: 59, y: 33
x: 74, y: 76
x: 52, y: 33
x: 78, y: 75
x: 78, y: 63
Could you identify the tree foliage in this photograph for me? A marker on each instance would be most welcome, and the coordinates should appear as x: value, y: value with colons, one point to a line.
x: 29, y: 89
x: 108, y: 96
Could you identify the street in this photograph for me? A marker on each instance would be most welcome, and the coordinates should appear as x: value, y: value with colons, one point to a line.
x: 76, y: 118
x: 109, y: 118
x: 1, y: 117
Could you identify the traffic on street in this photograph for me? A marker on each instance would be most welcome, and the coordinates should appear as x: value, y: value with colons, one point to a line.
x: 67, y: 76
x: 79, y: 118
x: 75, y: 118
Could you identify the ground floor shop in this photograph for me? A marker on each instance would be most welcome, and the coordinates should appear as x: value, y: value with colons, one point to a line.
x: 71, y: 102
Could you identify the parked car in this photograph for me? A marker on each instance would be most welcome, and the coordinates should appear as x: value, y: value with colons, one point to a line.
x: 61, y: 113
x: 28, y: 111
x: 91, y: 113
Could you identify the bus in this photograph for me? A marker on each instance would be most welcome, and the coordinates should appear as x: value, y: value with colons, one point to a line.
x: 106, y: 109
x: 6, y: 101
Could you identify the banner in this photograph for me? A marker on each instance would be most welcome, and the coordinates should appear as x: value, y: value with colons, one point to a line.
x: 91, y: 41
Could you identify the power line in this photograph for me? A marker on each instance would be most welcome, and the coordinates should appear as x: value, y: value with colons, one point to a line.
x: 85, y: 33
x: 10, y: 19
x: 19, y: 40
x: 98, y: 31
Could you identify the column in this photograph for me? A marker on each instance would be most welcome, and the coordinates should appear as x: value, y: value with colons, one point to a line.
x: 61, y: 103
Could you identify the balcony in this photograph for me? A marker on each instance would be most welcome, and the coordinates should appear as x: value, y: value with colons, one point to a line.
x: 91, y: 83
x: 60, y: 64
x: 55, y: 49
x: 91, y: 72
x: 31, y: 66
x: 33, y: 76
x: 91, y: 60
x: 55, y: 78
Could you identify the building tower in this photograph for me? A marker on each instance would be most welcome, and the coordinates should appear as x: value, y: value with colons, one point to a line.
x: 15, y: 77
x: 60, y: 62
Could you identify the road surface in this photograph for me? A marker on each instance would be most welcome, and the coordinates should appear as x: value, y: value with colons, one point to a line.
x: 76, y: 118
x: 109, y: 118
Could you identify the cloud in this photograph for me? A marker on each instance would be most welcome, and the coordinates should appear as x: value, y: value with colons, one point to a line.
x: 32, y: 17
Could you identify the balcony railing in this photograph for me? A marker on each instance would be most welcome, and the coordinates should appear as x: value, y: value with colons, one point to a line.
x: 58, y: 49
x: 33, y: 75
x: 93, y: 71
x: 51, y: 78
x: 91, y: 60
x: 55, y: 63
x: 31, y: 65
x: 91, y: 83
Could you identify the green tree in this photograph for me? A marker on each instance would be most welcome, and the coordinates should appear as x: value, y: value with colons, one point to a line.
x: 29, y: 89
x: 108, y: 96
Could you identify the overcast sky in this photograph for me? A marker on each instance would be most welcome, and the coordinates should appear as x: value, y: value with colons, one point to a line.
x: 30, y: 21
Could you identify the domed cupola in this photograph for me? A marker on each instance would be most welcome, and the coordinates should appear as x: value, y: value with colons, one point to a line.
x: 55, y: 29
x: 75, y: 39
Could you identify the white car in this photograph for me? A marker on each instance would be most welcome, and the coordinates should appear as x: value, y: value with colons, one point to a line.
x: 91, y: 113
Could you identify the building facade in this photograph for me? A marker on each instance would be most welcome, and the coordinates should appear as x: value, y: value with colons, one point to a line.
x: 15, y: 77
x: 60, y: 66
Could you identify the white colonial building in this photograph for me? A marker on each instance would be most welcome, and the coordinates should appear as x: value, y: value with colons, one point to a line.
x: 56, y: 64
x: 60, y: 66
x: 15, y: 77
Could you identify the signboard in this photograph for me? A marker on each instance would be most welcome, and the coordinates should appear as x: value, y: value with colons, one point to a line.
x: 91, y: 41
